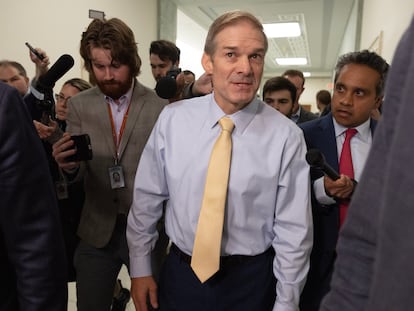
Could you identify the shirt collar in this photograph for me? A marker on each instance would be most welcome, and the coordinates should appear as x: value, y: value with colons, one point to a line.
x: 295, y: 116
x: 364, y: 129
x: 241, y: 118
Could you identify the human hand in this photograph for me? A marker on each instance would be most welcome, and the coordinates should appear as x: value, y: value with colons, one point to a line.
x: 203, y: 85
x: 141, y: 289
x: 62, y: 149
x: 341, y: 188
x: 45, y: 131
x: 41, y: 64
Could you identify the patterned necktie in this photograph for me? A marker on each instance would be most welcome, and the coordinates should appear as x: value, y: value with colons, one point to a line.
x: 205, y: 259
x: 346, y: 167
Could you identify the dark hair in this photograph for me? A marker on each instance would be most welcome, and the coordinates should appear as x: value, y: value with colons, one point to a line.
x: 114, y: 35
x: 228, y: 19
x: 78, y: 83
x: 278, y: 84
x: 324, y: 97
x: 18, y: 66
x: 166, y: 50
x: 370, y: 59
x: 294, y: 73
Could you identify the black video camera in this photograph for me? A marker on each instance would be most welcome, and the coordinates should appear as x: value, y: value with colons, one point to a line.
x: 46, y: 106
x: 44, y: 86
x: 167, y: 86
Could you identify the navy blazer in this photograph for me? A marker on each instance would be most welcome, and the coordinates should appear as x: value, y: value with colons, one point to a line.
x: 32, y: 256
x: 320, y: 134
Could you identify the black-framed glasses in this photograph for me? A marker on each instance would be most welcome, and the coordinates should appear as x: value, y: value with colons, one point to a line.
x: 61, y: 98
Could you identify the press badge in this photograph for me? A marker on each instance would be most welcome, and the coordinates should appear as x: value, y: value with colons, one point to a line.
x: 116, y: 176
x: 61, y: 189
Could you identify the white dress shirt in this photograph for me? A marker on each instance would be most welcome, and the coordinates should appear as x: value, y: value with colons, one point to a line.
x: 360, y: 146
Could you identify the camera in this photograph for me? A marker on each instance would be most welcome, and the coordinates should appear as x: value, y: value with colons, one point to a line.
x: 43, y: 87
x: 82, y: 144
x: 167, y: 86
x: 173, y: 73
x: 46, y: 106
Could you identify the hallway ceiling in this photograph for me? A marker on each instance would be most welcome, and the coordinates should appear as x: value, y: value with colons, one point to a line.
x: 327, y: 28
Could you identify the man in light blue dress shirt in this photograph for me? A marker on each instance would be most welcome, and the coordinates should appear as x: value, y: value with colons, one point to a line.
x: 267, y: 233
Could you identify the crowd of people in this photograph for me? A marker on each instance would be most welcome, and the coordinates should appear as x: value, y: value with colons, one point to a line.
x: 283, y: 238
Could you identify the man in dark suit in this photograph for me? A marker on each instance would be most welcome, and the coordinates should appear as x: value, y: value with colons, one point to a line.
x: 32, y: 257
x: 118, y: 114
x: 374, y: 270
x: 358, y: 89
x: 299, y: 114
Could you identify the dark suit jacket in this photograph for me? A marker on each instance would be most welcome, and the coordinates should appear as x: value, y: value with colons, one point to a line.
x: 320, y: 134
x: 306, y: 116
x: 32, y: 257
x: 88, y: 113
x: 374, y: 270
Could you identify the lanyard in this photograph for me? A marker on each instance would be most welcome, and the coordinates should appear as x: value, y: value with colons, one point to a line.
x: 117, y: 139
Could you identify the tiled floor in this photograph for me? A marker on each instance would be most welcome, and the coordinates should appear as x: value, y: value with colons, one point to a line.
x: 126, y: 282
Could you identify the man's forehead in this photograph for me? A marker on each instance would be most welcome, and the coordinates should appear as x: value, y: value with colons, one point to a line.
x: 8, y: 71
x: 358, y: 75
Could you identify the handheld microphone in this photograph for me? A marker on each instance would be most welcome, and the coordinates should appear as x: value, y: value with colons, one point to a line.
x: 58, y: 69
x: 315, y: 158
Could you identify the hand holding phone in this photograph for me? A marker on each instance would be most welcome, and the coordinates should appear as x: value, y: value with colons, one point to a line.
x: 82, y: 144
x: 33, y: 50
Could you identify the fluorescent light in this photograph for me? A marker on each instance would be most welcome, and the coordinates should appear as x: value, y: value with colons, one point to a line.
x: 282, y: 30
x: 292, y: 61
x: 306, y: 74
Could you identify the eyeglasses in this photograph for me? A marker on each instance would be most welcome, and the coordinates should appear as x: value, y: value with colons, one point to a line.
x: 61, y: 98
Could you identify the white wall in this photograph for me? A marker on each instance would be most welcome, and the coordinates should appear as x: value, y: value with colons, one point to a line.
x: 312, y: 86
x: 57, y: 26
x: 191, y: 47
x: 392, y: 17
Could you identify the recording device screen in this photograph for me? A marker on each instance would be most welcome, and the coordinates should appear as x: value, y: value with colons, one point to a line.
x: 82, y: 144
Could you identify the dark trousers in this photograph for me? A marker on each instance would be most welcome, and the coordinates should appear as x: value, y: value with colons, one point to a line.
x: 245, y: 283
x: 97, y: 270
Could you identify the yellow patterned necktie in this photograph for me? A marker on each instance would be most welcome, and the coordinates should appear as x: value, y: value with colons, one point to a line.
x: 205, y: 259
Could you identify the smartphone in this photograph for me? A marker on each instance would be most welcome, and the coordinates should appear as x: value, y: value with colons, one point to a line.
x: 82, y: 144
x: 32, y: 49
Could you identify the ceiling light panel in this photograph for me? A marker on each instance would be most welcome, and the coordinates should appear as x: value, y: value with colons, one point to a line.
x: 282, y: 30
x: 291, y: 61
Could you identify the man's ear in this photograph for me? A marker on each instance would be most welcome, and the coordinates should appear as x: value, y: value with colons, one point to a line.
x: 378, y: 101
x: 207, y: 63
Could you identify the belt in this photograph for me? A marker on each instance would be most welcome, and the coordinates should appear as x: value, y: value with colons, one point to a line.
x: 224, y: 260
